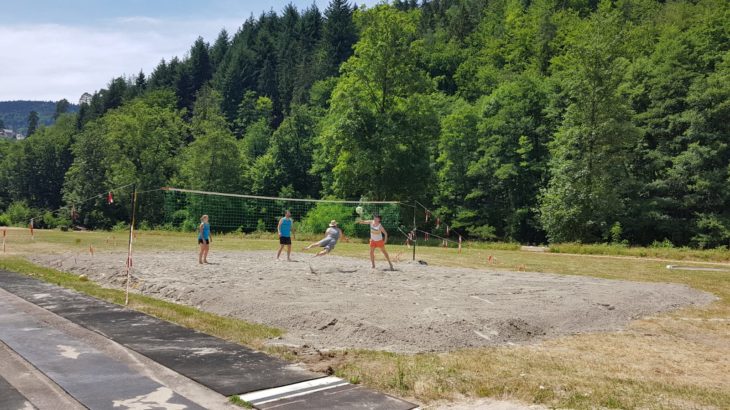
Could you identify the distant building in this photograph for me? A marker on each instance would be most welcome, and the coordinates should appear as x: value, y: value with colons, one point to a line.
x: 10, y: 134
x: 85, y: 99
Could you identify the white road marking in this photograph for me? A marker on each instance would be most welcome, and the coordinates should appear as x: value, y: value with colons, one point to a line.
x: 69, y: 352
x: 203, y: 351
x: 296, y: 389
x: 154, y: 400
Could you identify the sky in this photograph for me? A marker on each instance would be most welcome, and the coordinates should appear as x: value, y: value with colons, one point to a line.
x: 51, y: 49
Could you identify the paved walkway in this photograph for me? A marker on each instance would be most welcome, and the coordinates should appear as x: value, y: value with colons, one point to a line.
x: 98, y: 380
x: 10, y: 397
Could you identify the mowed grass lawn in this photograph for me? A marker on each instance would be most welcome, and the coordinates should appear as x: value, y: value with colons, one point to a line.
x: 676, y: 360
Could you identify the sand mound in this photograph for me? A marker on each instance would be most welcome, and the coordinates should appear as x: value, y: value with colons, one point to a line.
x: 339, y: 302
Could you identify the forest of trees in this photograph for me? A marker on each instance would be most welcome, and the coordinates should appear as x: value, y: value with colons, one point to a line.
x: 14, y: 115
x: 523, y: 120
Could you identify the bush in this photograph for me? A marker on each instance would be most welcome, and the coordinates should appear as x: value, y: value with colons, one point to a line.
x: 4, y: 220
x: 180, y: 216
x: 616, y: 233
x: 484, y: 232
x: 261, y: 226
x: 666, y: 243
x: 120, y: 226
x: 48, y: 220
x: 713, y: 231
x: 318, y: 218
x: 188, y: 226
x: 96, y: 219
x: 169, y: 227
x: 19, y: 213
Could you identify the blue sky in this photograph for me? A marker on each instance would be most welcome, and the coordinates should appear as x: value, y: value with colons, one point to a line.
x: 60, y: 49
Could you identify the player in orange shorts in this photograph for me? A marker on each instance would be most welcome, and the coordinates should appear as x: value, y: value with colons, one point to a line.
x: 378, y: 239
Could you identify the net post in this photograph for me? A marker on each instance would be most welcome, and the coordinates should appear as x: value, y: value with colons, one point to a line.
x: 415, y: 234
x: 129, y: 248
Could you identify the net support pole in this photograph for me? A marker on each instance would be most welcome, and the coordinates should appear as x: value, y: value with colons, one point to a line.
x: 414, y: 235
x: 129, y: 248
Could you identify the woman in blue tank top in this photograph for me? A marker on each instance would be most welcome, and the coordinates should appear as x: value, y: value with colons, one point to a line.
x: 286, y: 230
x: 204, y: 239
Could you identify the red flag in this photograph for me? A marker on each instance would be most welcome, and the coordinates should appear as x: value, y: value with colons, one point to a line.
x: 438, y: 222
x: 425, y: 236
x: 109, y: 198
x: 448, y: 230
x: 428, y: 214
x: 30, y: 226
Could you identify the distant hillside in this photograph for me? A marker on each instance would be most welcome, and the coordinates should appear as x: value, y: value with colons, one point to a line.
x: 15, y: 113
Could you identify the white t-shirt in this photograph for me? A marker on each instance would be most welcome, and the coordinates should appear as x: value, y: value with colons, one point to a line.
x: 375, y: 233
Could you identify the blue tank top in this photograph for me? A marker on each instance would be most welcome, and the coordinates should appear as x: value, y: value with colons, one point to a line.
x: 285, y: 227
x: 206, y: 232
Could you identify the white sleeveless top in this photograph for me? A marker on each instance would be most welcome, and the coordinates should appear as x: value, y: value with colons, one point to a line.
x: 375, y: 233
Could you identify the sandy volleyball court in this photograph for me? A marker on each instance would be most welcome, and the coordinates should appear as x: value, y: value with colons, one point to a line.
x: 339, y: 302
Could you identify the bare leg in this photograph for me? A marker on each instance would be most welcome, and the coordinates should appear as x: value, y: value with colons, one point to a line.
x: 324, y: 251
x: 206, y: 248
x: 200, y: 255
x: 372, y: 257
x: 288, y: 252
x: 387, y: 257
x: 281, y: 247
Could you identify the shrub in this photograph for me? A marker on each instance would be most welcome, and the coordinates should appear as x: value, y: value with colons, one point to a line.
x: 713, y: 231
x: 49, y: 220
x: 484, y: 232
x: 318, y: 218
x: 261, y: 226
x: 180, y: 216
x: 666, y: 243
x: 188, y: 226
x: 4, y: 220
x: 19, y: 213
x: 95, y: 219
x: 120, y: 226
x: 616, y: 232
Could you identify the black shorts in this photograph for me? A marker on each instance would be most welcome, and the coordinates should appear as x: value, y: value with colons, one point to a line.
x: 285, y: 240
x: 203, y: 241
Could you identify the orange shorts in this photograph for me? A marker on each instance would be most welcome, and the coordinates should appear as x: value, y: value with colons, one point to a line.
x: 377, y: 244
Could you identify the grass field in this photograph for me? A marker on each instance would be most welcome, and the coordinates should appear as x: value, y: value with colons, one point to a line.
x: 676, y: 360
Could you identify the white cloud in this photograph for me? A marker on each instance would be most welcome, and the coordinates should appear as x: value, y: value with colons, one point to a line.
x: 137, y: 20
x: 50, y: 62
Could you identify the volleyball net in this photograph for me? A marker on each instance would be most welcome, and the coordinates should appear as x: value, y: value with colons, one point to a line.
x: 229, y: 212
x: 178, y: 209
